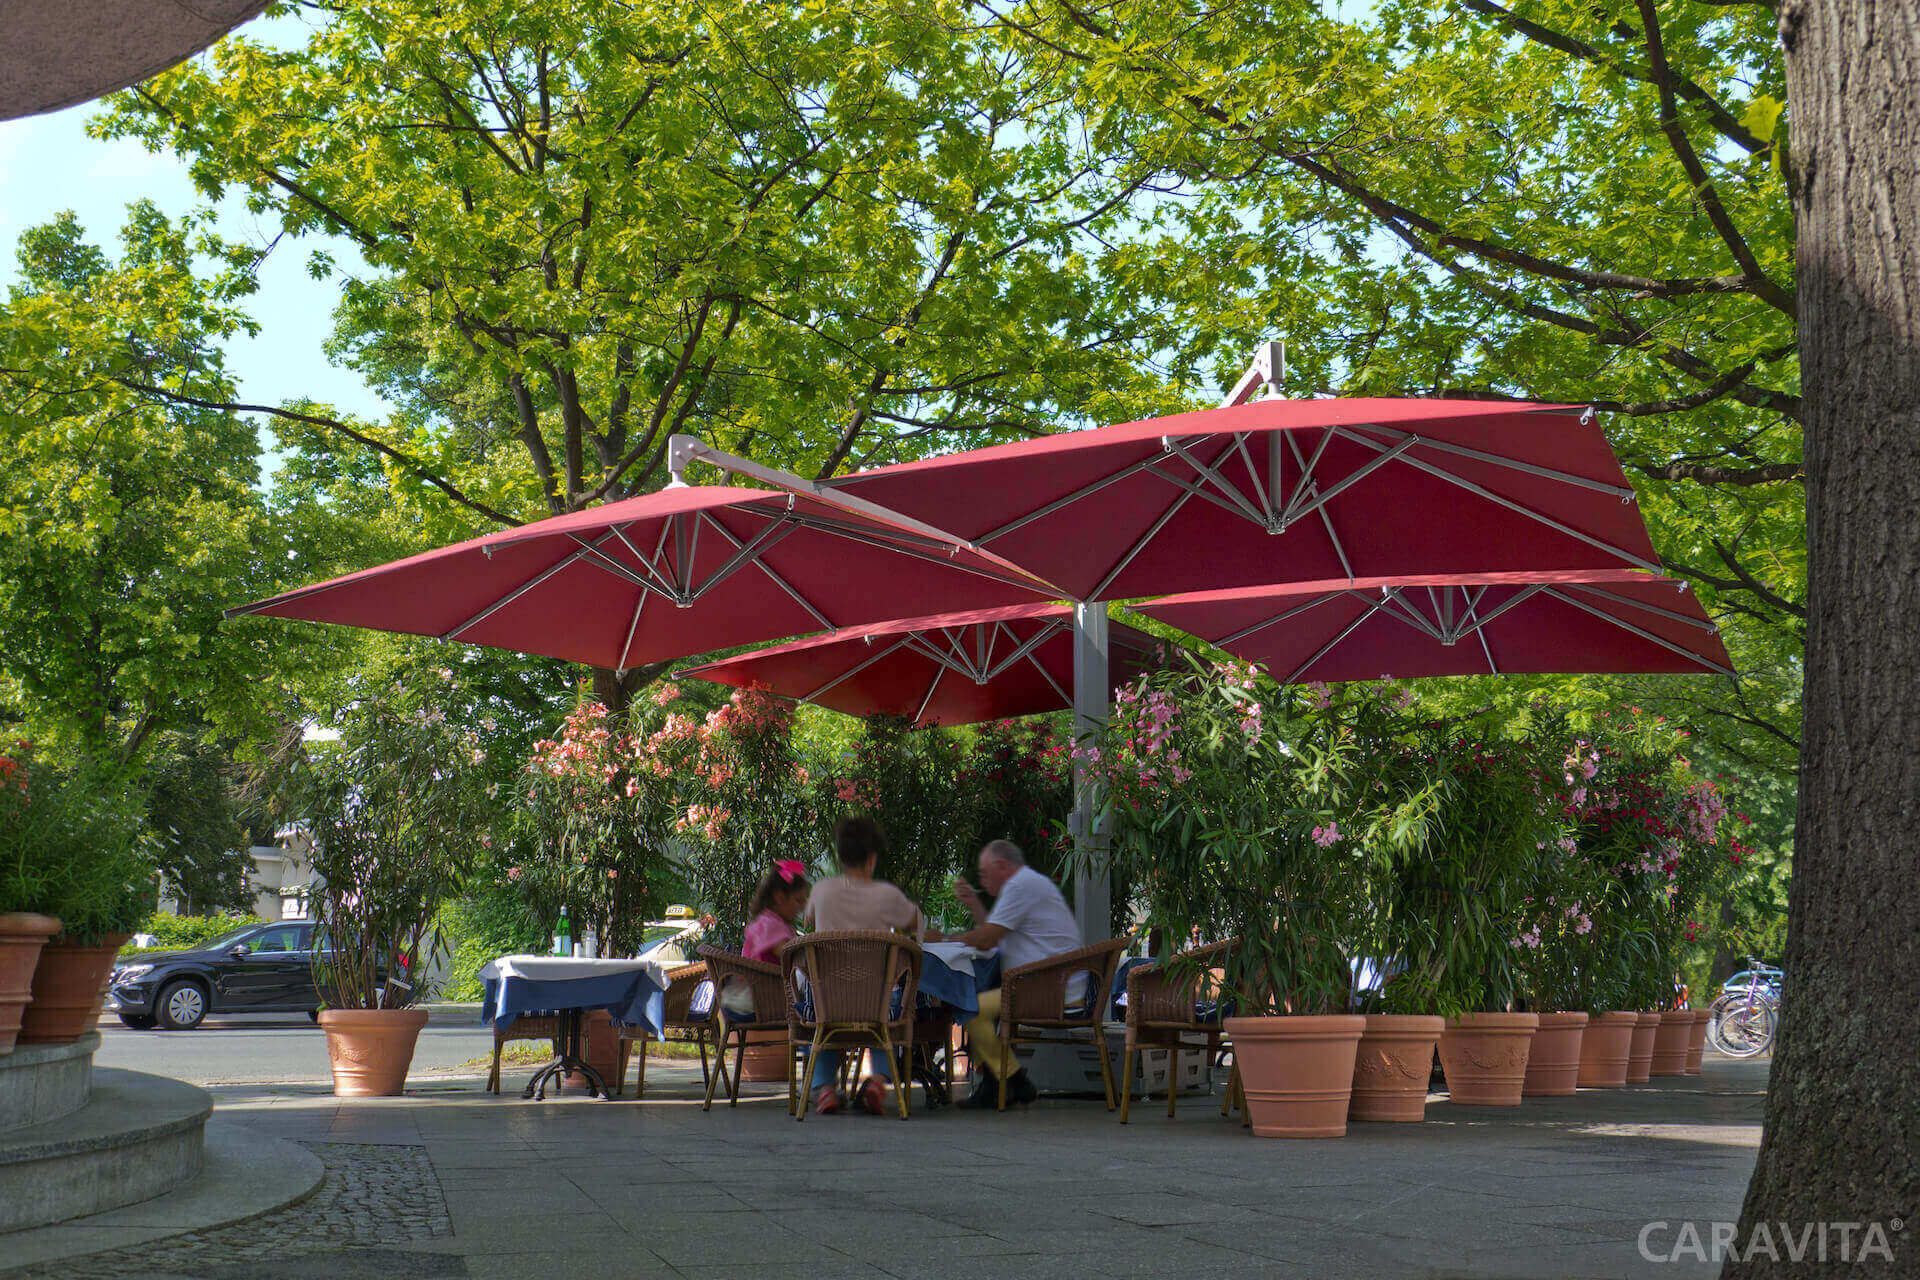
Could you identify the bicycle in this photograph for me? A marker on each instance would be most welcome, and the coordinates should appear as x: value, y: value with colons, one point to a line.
x: 1743, y: 1018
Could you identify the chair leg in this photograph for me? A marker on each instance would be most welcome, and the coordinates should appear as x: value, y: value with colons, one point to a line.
x: 1000, y: 1077
x: 902, y: 1082
x: 700, y: 1038
x: 1126, y: 1080
x: 793, y: 1074
x: 622, y: 1050
x: 720, y: 1068
x: 819, y: 1039
x: 493, y: 1074
x: 1106, y: 1068
x: 739, y: 1069
x: 640, y: 1080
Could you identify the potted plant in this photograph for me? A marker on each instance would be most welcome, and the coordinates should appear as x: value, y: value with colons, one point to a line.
x: 1553, y: 944
x: 1457, y: 897
x: 744, y: 801
x: 1627, y: 828
x: 1394, y: 1059
x: 397, y: 811
x: 76, y: 875
x: 1229, y: 822
x: 592, y: 825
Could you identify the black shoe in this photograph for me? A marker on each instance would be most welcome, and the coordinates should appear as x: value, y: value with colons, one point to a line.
x: 1020, y: 1090
x: 985, y: 1095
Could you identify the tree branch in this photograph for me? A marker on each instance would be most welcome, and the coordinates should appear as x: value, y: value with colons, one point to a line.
x: 1760, y: 283
x: 413, y: 467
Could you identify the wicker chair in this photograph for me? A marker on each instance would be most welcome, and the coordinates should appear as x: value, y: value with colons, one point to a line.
x: 533, y: 1026
x: 763, y: 982
x: 1033, y: 997
x: 1161, y: 1014
x: 682, y: 982
x: 858, y: 991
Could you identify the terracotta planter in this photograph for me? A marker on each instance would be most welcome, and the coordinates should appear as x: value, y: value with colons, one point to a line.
x: 766, y: 1058
x: 1392, y: 1067
x: 69, y: 986
x: 1640, y: 1055
x: 1485, y: 1056
x: 1297, y: 1071
x: 1670, y: 1042
x: 371, y: 1049
x: 602, y: 1049
x: 1605, y: 1047
x: 22, y: 935
x: 1553, y: 1061
x: 1697, y: 1041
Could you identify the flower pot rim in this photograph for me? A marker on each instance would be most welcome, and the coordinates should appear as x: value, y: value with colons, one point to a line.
x: 1407, y: 1021
x: 29, y: 922
x: 1494, y: 1020
x: 1296, y: 1021
x: 348, y: 1017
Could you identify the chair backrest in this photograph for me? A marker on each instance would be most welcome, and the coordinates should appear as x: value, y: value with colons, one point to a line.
x: 1160, y: 994
x: 761, y: 980
x: 1039, y: 992
x: 682, y: 982
x: 859, y: 976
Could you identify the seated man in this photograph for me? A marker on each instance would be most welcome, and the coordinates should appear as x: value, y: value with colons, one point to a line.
x: 1030, y: 921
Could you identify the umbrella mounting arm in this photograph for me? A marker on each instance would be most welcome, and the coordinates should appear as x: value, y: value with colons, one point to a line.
x: 684, y: 450
x: 1266, y: 373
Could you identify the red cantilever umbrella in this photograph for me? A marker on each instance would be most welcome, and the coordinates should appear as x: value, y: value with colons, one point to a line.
x: 1456, y: 625
x: 1285, y: 491
x: 668, y: 574
x: 953, y: 668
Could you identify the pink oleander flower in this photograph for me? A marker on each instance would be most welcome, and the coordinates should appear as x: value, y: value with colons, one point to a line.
x: 1327, y: 836
x: 513, y: 873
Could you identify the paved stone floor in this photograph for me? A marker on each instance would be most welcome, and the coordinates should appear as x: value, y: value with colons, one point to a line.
x: 452, y: 1182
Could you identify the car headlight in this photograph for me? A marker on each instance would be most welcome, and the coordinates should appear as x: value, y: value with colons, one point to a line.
x: 127, y: 971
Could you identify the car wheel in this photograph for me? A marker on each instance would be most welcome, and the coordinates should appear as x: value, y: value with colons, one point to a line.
x: 182, y: 1005
x: 138, y: 1021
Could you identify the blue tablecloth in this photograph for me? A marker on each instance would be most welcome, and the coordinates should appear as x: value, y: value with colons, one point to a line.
x: 956, y: 988
x: 633, y: 997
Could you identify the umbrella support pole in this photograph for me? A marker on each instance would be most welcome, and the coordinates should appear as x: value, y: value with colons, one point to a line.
x: 1092, y: 880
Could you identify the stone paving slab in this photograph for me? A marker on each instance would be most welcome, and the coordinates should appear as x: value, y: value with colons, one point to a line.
x: 459, y: 1183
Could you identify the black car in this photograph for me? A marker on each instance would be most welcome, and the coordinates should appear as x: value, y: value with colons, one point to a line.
x: 257, y: 968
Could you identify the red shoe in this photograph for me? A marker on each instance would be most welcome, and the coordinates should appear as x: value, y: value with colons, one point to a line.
x: 873, y: 1097
x: 827, y: 1101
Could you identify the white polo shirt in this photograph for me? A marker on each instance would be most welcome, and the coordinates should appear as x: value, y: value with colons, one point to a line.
x: 1037, y: 920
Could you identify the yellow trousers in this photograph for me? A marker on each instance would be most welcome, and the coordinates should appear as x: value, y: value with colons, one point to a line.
x: 983, y: 1038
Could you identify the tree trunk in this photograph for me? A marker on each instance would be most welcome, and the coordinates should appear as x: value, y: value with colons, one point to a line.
x: 615, y: 689
x: 1842, y: 1141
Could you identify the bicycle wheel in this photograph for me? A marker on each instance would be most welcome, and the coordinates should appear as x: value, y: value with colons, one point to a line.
x: 1740, y: 1028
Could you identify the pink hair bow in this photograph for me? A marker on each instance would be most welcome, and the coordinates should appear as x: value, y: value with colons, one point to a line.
x: 790, y: 869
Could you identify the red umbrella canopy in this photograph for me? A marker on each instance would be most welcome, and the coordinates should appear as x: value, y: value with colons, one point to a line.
x: 1457, y: 625
x: 664, y: 575
x: 953, y: 668
x: 1286, y: 491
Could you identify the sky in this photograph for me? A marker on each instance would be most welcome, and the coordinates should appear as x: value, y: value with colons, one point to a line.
x: 49, y: 164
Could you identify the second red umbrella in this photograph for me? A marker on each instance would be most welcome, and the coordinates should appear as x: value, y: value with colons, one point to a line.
x: 1457, y: 625
x: 955, y: 668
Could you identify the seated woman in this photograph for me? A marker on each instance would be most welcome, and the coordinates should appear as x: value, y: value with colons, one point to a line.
x: 854, y: 899
x: 777, y: 903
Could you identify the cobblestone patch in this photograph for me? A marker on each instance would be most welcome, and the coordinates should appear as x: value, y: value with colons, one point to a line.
x: 369, y: 1197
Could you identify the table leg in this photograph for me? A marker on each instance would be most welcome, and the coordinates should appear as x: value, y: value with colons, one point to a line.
x: 572, y: 1058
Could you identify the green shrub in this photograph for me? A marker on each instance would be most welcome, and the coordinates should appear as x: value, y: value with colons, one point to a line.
x: 184, y: 933
x: 72, y: 846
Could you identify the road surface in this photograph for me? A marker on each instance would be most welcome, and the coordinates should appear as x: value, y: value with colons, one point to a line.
x: 275, y: 1048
